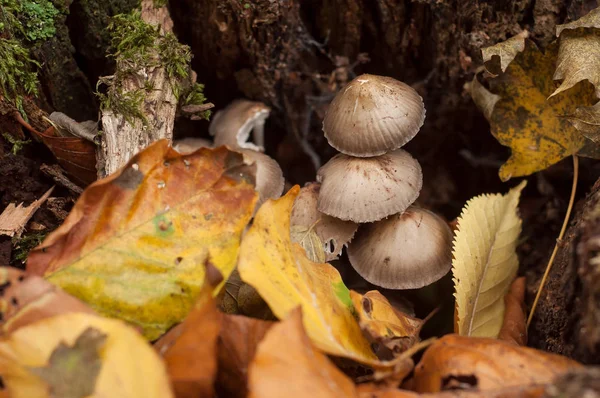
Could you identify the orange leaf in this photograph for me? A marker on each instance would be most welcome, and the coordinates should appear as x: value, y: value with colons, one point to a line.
x: 134, y: 245
x: 514, y: 327
x: 27, y: 298
x: 237, y: 346
x: 287, y: 365
x: 373, y: 391
x: 485, y: 364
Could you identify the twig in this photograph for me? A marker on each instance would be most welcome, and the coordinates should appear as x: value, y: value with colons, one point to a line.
x: 560, y: 236
x: 56, y: 173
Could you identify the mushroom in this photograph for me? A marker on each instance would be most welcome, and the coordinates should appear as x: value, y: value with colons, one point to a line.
x: 232, y: 125
x: 269, y: 177
x: 334, y: 233
x: 373, y: 115
x: 369, y: 189
x: 188, y: 145
x: 406, y: 251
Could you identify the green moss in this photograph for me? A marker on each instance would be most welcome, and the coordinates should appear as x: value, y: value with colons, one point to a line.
x: 159, y: 3
x: 17, y: 145
x: 137, y: 45
x: 24, y: 244
x: 31, y: 20
x: 18, y: 73
x: 195, y: 96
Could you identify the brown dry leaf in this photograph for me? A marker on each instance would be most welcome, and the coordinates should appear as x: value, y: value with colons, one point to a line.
x: 514, y: 327
x: 236, y: 348
x: 134, y: 245
x: 389, y: 331
x: 506, y: 51
x: 579, y: 52
x: 526, y: 120
x: 25, y: 299
x: 586, y: 119
x: 14, y: 218
x: 485, y: 364
x: 189, y: 350
x: 129, y: 367
x: 333, y: 233
x: 374, y: 391
x: 310, y: 242
x: 287, y: 365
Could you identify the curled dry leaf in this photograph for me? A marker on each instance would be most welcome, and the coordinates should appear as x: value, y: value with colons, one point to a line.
x: 287, y: 365
x: 389, y: 331
x: 529, y: 122
x: 482, y: 364
x: 73, y: 343
x: 282, y: 274
x: 506, y: 51
x: 134, y: 245
x: 25, y: 299
x: 332, y: 232
x: 514, y: 326
x: 236, y: 348
x: 485, y: 261
x: 189, y: 350
x: 586, y: 119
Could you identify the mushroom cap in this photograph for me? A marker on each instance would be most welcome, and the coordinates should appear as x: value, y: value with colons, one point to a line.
x: 188, y: 145
x: 369, y: 189
x: 269, y: 177
x: 405, y: 251
x: 333, y: 232
x: 232, y: 125
x: 373, y: 115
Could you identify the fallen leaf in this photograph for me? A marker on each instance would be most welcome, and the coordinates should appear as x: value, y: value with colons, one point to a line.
x: 485, y: 100
x: 533, y: 391
x: 333, y: 233
x: 482, y: 364
x: 71, y: 372
x: 134, y: 245
x: 529, y: 122
x: 586, y: 119
x: 389, y: 331
x: 28, y: 298
x: 190, y: 349
x: 514, y: 326
x: 129, y: 366
x: 240, y: 298
x: 578, y: 59
x: 236, y: 348
x: 506, y: 51
x: 279, y: 270
x: 287, y: 365
x: 310, y: 242
x: 485, y: 261
x: 590, y: 20
x: 14, y: 218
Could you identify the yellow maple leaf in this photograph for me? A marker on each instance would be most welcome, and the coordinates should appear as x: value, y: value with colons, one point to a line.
x: 282, y: 274
x: 135, y: 244
x: 485, y: 261
x: 525, y: 119
x: 110, y: 358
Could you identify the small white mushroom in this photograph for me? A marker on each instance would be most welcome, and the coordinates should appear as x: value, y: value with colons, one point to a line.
x: 232, y: 125
x: 369, y: 189
x: 186, y: 146
x: 269, y: 177
x: 373, y: 115
x: 405, y: 251
x: 334, y: 233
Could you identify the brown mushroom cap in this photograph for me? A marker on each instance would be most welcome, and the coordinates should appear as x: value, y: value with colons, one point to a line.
x: 333, y: 232
x: 405, y: 251
x: 373, y: 115
x: 188, y: 145
x: 369, y: 189
x: 269, y: 177
x: 232, y: 125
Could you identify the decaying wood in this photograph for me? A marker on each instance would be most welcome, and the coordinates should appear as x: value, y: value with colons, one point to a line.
x: 14, y: 218
x: 122, y: 138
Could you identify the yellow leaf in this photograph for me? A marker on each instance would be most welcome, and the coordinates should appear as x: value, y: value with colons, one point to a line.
x: 135, y: 244
x: 388, y: 330
x: 279, y: 270
x: 529, y: 122
x: 129, y: 367
x: 485, y: 261
x: 310, y: 242
x: 506, y: 51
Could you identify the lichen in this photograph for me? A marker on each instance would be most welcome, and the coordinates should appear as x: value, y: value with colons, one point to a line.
x: 139, y: 46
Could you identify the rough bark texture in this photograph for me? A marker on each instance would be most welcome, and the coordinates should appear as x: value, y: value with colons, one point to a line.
x: 123, y: 138
x: 567, y: 319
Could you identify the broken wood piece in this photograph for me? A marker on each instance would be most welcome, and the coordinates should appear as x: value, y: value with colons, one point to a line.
x: 14, y: 218
x: 56, y: 173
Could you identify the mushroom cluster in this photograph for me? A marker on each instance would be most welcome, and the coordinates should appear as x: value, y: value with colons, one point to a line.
x: 375, y: 183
